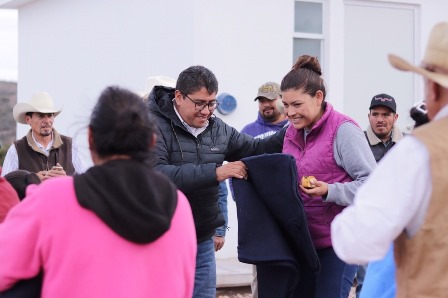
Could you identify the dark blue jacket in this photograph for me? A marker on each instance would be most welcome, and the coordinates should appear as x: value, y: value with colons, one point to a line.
x: 271, y: 221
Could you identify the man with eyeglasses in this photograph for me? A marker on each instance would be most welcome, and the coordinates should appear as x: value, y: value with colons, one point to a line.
x: 191, y: 148
x: 43, y: 150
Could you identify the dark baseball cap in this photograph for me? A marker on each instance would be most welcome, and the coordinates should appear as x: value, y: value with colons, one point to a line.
x: 385, y: 100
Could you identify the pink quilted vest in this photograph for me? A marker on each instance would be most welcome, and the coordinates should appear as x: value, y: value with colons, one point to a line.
x: 315, y: 157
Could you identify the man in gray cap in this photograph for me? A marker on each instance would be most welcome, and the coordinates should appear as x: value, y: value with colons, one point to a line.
x: 270, y: 118
x: 43, y: 150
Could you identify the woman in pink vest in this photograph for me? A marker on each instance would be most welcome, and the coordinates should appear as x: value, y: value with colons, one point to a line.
x: 118, y: 230
x: 331, y: 147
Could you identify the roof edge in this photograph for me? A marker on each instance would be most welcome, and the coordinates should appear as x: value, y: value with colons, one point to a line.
x: 13, y: 3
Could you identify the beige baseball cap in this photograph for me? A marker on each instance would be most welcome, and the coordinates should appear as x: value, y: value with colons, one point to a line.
x: 270, y: 90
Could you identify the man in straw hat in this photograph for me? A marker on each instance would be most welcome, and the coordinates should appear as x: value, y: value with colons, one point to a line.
x: 404, y: 199
x: 43, y: 150
x: 153, y: 81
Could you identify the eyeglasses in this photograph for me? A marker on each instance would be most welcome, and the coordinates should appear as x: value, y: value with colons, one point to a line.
x: 199, y: 105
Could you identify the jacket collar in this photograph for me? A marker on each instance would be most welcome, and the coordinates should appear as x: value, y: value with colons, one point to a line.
x: 397, y: 135
x: 57, y: 141
x: 194, y: 131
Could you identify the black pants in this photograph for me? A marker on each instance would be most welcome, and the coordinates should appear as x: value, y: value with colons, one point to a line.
x: 277, y: 279
x: 27, y: 288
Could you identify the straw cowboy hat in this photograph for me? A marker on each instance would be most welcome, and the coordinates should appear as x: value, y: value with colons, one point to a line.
x: 435, y: 59
x: 159, y: 81
x: 40, y: 102
x: 151, y: 82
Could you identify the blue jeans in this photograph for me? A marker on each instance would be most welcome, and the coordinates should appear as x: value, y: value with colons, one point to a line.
x: 360, y: 275
x: 222, y: 203
x: 334, y: 280
x: 205, y: 278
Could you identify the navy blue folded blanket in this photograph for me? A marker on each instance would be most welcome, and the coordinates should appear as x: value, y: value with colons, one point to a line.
x: 271, y: 221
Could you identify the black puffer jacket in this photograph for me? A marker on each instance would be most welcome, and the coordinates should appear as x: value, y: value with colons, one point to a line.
x: 191, y: 162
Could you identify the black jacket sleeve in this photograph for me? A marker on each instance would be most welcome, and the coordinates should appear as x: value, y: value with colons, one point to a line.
x: 242, y: 145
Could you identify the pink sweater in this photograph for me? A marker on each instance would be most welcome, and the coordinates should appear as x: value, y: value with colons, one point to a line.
x: 8, y: 198
x: 82, y: 257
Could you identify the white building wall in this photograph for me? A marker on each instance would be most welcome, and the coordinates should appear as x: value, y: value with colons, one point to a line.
x: 73, y: 49
x: 245, y: 43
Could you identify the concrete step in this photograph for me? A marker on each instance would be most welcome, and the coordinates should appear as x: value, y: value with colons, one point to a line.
x: 232, y: 273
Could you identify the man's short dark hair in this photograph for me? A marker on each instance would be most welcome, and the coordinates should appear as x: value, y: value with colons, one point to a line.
x: 195, y: 78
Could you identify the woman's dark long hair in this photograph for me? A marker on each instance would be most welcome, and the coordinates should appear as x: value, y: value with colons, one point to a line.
x: 121, y: 124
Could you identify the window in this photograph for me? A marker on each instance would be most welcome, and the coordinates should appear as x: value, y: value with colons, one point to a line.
x: 308, y: 29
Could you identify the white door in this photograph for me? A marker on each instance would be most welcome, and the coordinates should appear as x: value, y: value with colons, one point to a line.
x: 373, y: 30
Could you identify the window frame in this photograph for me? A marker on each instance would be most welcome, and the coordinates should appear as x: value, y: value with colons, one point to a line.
x: 322, y: 37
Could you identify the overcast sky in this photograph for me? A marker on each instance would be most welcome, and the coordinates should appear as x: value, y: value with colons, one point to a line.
x: 8, y: 45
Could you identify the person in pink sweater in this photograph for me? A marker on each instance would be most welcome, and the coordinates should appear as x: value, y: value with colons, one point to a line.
x: 118, y: 230
x: 8, y: 198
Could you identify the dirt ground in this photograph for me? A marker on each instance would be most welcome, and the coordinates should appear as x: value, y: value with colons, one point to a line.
x: 237, y: 292
x: 244, y: 292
